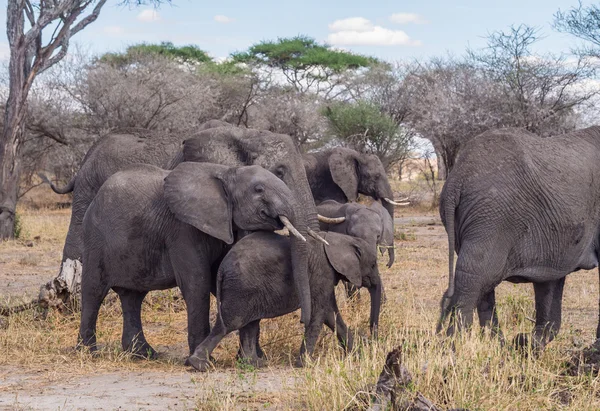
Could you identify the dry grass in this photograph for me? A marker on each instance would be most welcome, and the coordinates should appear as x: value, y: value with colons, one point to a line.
x: 477, y: 374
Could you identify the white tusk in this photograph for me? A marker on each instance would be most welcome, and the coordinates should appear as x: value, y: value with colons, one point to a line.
x: 284, y: 232
x: 291, y: 228
x: 317, y: 236
x: 395, y: 203
x: 331, y: 220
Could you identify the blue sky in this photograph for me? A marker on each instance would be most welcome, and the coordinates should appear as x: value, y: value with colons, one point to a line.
x: 385, y: 29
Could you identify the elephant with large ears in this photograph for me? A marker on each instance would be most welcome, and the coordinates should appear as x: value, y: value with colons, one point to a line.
x: 111, y: 153
x: 520, y: 208
x: 341, y: 174
x: 151, y: 229
x: 218, y: 143
x: 372, y: 223
x: 255, y: 281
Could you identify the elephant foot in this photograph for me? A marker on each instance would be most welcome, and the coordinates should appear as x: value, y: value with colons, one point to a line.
x: 142, y: 350
x: 90, y: 348
x: 301, y: 361
x: 200, y: 364
x: 254, y: 361
x: 187, y: 362
x: 524, y: 340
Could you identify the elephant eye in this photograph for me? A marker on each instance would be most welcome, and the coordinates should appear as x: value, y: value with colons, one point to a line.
x: 280, y: 171
x: 259, y: 188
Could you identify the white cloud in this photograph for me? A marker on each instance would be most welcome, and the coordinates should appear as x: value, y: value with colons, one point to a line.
x: 358, y: 31
x: 404, y: 18
x: 359, y: 24
x: 219, y: 18
x: 148, y: 15
x: 114, y: 30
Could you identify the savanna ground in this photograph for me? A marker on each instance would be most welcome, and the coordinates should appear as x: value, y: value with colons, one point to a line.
x: 39, y: 369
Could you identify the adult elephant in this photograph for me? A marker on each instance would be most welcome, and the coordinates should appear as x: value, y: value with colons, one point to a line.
x: 340, y: 174
x: 520, y: 208
x: 112, y: 153
x: 150, y: 229
x: 226, y: 145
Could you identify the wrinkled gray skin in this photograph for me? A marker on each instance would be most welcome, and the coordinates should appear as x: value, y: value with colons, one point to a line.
x: 371, y: 223
x: 255, y: 281
x: 151, y: 229
x: 219, y: 143
x: 112, y: 153
x: 520, y: 208
x: 341, y: 174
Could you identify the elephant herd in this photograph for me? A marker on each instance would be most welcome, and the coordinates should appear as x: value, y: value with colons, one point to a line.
x: 152, y: 213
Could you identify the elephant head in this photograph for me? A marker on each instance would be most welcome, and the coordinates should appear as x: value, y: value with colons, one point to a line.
x: 356, y: 261
x: 215, y: 199
x: 277, y: 153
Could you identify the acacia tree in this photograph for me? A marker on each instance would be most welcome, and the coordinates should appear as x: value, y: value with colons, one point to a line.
x: 365, y: 128
x: 306, y: 65
x: 38, y: 35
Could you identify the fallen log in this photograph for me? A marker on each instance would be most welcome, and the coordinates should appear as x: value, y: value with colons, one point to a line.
x: 393, y: 385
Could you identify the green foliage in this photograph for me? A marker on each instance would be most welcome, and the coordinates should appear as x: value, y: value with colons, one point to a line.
x: 18, y: 227
x: 366, y: 128
x: 356, y: 121
x: 185, y: 54
x: 301, y: 53
x: 226, y: 68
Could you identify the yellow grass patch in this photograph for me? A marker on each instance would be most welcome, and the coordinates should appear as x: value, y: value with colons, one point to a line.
x: 476, y: 372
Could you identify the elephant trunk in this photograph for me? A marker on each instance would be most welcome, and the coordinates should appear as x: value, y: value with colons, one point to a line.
x: 305, y: 221
x: 375, y: 292
x: 391, y: 256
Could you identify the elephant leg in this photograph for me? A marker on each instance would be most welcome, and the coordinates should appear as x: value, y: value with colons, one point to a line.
x: 598, y: 327
x: 467, y: 293
x: 91, y: 300
x: 311, y: 334
x: 133, y: 339
x: 488, y: 315
x: 200, y: 358
x: 250, y: 350
x: 193, y: 276
x: 548, y: 315
x: 336, y: 323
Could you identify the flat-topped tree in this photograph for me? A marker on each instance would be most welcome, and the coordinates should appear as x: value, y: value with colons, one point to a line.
x: 306, y: 64
x: 189, y: 54
x: 38, y: 35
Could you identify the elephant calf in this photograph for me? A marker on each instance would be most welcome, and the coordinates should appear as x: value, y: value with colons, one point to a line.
x: 255, y: 281
x: 150, y: 229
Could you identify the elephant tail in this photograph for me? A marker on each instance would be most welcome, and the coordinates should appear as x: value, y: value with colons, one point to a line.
x: 66, y: 189
x: 448, y: 212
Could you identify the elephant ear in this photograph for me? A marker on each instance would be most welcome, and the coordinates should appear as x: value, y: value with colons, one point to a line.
x: 196, y: 195
x: 344, y: 255
x: 343, y: 167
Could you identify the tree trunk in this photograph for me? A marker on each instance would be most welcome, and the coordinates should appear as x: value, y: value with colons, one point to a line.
x: 10, y: 163
x: 10, y: 168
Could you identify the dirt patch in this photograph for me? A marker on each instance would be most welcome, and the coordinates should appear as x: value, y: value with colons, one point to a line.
x: 146, y: 390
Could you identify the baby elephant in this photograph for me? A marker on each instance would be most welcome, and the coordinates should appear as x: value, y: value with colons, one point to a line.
x: 372, y: 223
x: 255, y: 281
x: 151, y: 229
